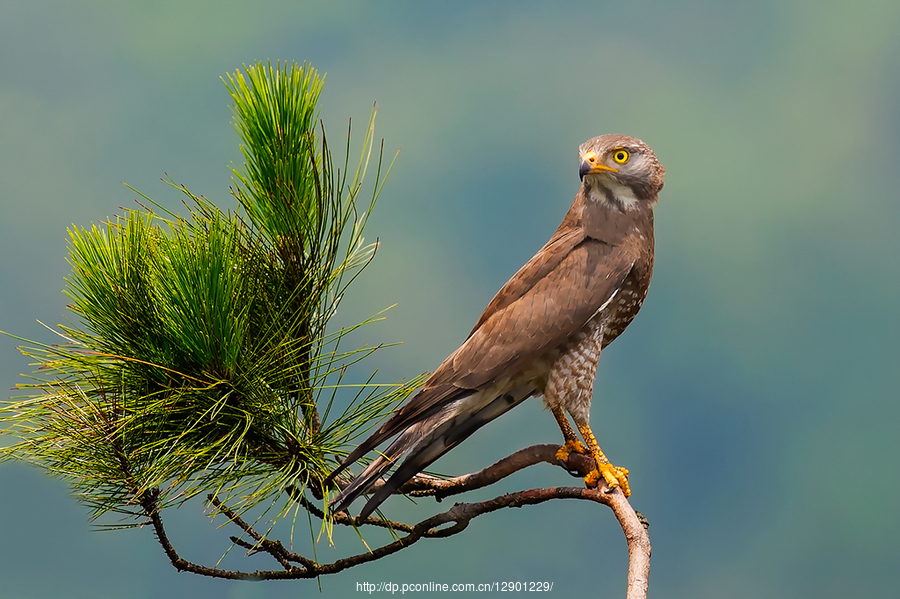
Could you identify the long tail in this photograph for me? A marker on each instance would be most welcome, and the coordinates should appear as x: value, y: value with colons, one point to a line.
x: 408, y: 439
x: 374, y: 471
x: 361, y: 483
x: 444, y: 438
x: 423, y: 409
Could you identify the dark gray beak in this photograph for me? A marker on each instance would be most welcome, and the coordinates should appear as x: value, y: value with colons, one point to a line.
x: 584, y: 169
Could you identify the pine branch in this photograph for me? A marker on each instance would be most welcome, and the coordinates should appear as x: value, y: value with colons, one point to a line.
x: 199, y: 347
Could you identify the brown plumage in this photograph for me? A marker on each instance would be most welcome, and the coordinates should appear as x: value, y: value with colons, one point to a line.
x: 543, y: 331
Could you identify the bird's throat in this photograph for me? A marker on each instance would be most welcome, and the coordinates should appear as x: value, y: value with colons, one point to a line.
x: 613, y: 195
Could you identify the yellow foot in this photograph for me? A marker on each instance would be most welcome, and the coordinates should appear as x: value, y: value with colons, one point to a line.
x: 571, y: 445
x: 615, y: 476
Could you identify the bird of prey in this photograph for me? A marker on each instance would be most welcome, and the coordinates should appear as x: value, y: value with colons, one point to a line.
x: 542, y: 333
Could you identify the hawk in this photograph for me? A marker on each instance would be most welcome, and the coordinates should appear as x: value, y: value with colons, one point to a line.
x: 543, y: 332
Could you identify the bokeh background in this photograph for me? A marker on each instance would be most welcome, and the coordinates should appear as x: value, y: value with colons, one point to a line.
x: 755, y: 397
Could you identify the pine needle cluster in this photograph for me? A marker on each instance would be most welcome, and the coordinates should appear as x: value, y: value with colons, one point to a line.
x: 199, y: 357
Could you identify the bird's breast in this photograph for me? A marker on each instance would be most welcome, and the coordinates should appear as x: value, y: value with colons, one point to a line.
x: 625, y: 306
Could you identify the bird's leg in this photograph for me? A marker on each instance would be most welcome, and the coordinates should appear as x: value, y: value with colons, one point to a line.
x: 614, y: 476
x: 572, y: 442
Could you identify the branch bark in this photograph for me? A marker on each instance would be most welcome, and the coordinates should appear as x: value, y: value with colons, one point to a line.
x: 296, y: 566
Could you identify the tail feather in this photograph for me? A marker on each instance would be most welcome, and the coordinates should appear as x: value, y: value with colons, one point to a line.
x: 427, y: 402
x: 444, y: 438
x: 361, y: 483
x: 402, y: 444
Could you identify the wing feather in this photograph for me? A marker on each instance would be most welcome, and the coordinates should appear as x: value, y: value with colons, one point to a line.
x: 538, y: 309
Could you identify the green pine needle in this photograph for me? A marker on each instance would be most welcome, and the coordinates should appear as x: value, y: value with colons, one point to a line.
x: 199, y: 359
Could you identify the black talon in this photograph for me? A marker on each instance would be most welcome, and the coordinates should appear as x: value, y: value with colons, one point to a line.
x: 572, y: 472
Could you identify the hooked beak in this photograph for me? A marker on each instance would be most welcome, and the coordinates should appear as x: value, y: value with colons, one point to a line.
x: 591, y: 164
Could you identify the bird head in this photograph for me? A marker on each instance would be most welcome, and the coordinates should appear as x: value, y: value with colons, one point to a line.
x: 621, y: 170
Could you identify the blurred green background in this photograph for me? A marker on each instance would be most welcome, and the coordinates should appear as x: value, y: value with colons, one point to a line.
x: 754, y: 398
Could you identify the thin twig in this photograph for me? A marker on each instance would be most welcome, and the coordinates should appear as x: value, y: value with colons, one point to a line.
x: 273, y: 548
x: 343, y: 518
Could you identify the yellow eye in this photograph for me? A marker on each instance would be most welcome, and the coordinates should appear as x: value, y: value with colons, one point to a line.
x: 620, y: 156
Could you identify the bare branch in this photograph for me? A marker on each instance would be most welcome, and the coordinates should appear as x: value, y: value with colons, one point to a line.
x: 446, y: 524
x: 426, y: 485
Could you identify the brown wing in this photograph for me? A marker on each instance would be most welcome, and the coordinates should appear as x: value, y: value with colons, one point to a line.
x: 543, y: 316
x: 445, y: 385
x: 541, y: 264
x: 541, y: 306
